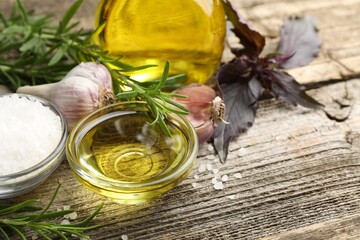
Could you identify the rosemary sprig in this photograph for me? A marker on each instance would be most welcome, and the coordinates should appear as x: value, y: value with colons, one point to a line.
x: 17, y: 220
x: 33, y: 51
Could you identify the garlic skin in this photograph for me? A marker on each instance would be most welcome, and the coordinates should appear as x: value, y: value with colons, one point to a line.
x: 93, y: 71
x: 206, y: 109
x: 84, y: 89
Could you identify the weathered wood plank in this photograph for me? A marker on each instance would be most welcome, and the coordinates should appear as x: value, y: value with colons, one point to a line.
x: 338, y: 29
x: 298, y: 168
x: 347, y: 228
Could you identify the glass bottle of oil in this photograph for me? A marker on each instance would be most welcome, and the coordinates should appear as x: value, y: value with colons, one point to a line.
x: 188, y: 33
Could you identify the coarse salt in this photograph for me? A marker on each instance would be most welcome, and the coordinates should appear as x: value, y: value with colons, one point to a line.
x: 238, y: 175
x: 124, y: 237
x: 241, y: 152
x: 71, y: 216
x: 196, y: 185
x: 29, y: 132
x: 65, y: 222
x: 218, y: 186
x: 202, y: 168
x: 225, y: 178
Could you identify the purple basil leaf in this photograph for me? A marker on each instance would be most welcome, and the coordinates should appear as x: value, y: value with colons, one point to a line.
x: 284, y: 86
x: 252, y: 41
x: 298, y: 38
x: 241, y: 103
x: 239, y: 69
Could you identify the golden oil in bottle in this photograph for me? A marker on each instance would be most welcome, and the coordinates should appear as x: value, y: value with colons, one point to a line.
x: 127, y: 148
x: 188, y: 33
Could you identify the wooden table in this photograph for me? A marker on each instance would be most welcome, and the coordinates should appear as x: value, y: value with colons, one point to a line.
x: 294, y: 175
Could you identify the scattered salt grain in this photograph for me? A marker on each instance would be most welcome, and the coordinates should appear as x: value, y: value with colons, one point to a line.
x: 214, y: 180
x: 72, y: 215
x: 237, y: 175
x: 218, y: 186
x: 210, y: 157
x: 196, y: 176
x: 29, y: 132
x: 65, y: 222
x: 225, y: 178
x: 209, y: 167
x: 241, y: 152
x: 202, y: 168
x: 215, y: 171
x: 210, y: 148
x: 196, y: 185
x: 124, y: 237
x: 232, y: 197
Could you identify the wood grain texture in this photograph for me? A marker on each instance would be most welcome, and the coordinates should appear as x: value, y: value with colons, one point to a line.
x: 300, y: 168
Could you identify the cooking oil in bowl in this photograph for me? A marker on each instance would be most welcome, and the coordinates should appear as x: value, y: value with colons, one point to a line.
x: 128, y: 148
x: 123, y: 156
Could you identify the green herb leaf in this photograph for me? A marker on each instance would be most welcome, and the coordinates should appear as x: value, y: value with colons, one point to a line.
x: 48, y: 52
x: 18, y: 223
x: 68, y: 16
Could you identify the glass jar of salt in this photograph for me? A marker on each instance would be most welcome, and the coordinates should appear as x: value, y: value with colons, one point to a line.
x: 29, y: 132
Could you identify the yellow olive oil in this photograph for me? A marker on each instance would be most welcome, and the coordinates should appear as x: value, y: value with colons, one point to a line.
x: 129, y: 149
x: 188, y: 33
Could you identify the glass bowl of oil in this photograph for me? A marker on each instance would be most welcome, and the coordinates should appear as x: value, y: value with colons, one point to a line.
x: 118, y: 152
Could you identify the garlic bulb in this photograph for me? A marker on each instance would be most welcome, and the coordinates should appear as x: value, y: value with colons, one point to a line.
x: 85, y: 88
x: 206, y: 109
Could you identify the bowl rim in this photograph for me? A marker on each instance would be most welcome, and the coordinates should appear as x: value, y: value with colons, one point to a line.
x: 59, y: 147
x: 101, y: 182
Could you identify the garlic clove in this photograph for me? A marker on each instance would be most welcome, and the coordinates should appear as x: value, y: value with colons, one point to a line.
x: 84, y: 89
x: 197, y: 94
x: 75, y: 97
x: 205, y: 131
x: 206, y: 109
x: 93, y: 71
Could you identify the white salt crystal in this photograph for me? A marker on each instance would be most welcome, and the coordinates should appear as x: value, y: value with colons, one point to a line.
x: 225, y: 178
x: 209, y: 167
x: 202, y: 168
x: 241, y: 152
x: 232, y: 197
x: 65, y: 222
x: 124, y: 237
x: 72, y: 215
x: 196, y: 176
x: 29, y: 132
x: 238, y: 175
x: 210, y: 157
x: 196, y: 185
x: 218, y: 186
x: 214, y: 180
x: 210, y: 148
x: 215, y: 171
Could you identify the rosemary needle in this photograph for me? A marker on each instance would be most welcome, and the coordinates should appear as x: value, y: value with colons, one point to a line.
x: 34, y: 51
x: 19, y: 218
